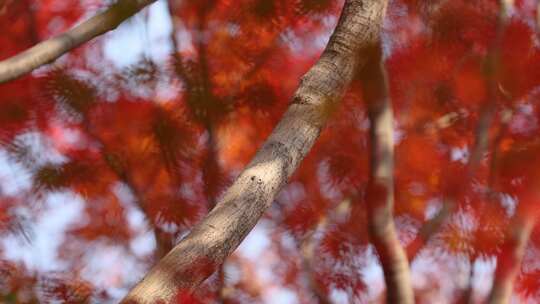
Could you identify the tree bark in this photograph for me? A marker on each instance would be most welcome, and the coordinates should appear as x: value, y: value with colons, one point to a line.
x: 380, y: 191
x: 49, y: 50
x: 198, y: 255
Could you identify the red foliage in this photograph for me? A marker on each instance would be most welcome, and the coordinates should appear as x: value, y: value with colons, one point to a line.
x: 145, y: 150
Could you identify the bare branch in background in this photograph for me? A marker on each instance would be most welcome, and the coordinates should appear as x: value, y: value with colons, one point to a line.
x: 481, y: 144
x: 511, y: 256
x: 380, y: 191
x: 509, y: 261
x: 49, y: 50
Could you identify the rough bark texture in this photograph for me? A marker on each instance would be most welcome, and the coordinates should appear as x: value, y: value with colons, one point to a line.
x: 51, y: 49
x: 380, y: 192
x: 236, y: 213
x: 509, y: 261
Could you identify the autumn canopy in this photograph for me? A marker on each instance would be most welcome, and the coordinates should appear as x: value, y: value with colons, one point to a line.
x: 260, y: 151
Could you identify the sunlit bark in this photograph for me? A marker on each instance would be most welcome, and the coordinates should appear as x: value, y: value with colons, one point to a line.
x: 49, y: 50
x: 198, y: 255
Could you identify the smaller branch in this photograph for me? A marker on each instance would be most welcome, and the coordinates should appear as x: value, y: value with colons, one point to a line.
x: 307, y: 251
x: 211, y: 168
x: 49, y: 50
x: 429, y: 228
x: 511, y: 256
x: 509, y: 261
x: 380, y: 192
x: 164, y: 242
x: 485, y: 121
x: 308, y: 246
x: 32, y: 27
x: 538, y: 16
x: 513, y: 249
x: 493, y: 163
x: 432, y: 226
x: 258, y: 65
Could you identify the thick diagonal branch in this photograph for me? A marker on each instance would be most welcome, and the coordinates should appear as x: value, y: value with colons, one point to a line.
x: 380, y: 191
x: 236, y: 213
x: 49, y: 50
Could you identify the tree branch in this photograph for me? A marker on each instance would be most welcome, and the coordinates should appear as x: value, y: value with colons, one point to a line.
x: 49, y: 50
x: 380, y: 191
x: 509, y: 261
x: 481, y: 144
x: 433, y: 225
x: 510, y: 258
x: 164, y: 242
x: 198, y: 255
x: 307, y: 252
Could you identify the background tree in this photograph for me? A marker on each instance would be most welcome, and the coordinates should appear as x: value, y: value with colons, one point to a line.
x: 110, y: 156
